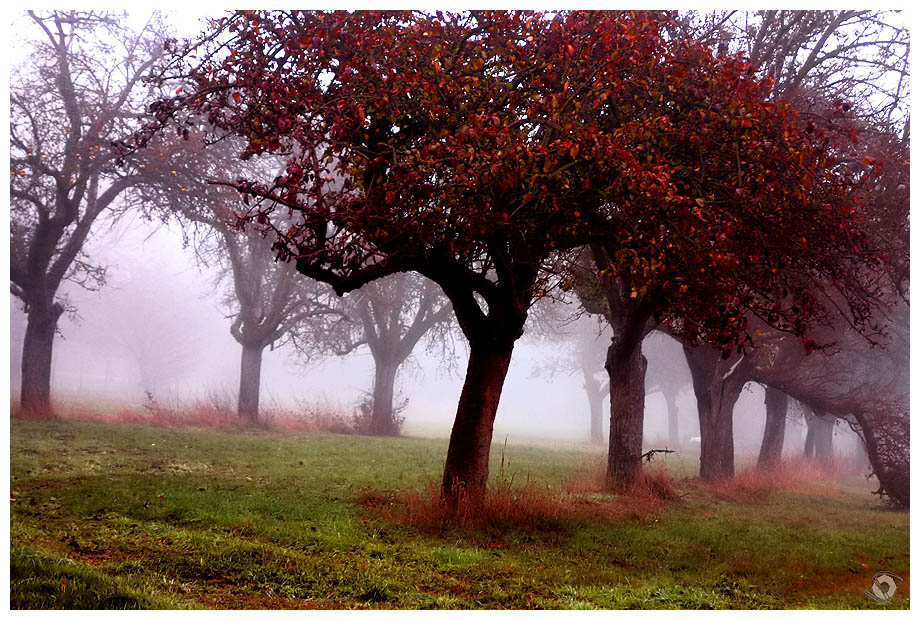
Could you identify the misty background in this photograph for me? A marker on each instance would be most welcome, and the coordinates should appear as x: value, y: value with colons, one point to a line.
x: 158, y: 326
x: 158, y: 329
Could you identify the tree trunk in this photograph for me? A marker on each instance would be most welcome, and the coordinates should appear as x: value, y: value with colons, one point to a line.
x: 626, y: 367
x: 383, y: 422
x: 250, y: 381
x: 593, y: 389
x: 670, y: 399
x: 37, y: 348
x: 466, y: 470
x: 717, y: 384
x: 819, y: 440
x: 771, y: 448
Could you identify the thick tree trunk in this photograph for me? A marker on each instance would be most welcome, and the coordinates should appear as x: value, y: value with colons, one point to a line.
x: 717, y: 448
x: 250, y: 383
x: 626, y: 367
x: 771, y: 448
x: 466, y: 471
x: 383, y: 421
x: 37, y: 349
x: 717, y: 384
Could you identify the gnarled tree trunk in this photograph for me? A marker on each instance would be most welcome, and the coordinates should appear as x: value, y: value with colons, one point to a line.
x: 774, y: 431
x: 37, y: 349
x: 466, y: 470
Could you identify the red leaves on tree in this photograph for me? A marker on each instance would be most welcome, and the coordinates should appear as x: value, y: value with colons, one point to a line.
x: 493, y: 140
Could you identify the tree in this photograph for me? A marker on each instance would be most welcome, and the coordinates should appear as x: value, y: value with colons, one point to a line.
x: 395, y: 313
x: 867, y: 386
x: 473, y: 148
x: 667, y: 375
x: 267, y: 298
x: 717, y: 384
x: 77, y: 92
x: 812, y: 56
x: 390, y: 316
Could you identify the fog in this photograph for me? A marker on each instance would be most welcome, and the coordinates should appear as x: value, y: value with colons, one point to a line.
x: 158, y: 329
x: 158, y: 326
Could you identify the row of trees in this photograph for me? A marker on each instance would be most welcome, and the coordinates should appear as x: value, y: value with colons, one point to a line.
x: 507, y: 157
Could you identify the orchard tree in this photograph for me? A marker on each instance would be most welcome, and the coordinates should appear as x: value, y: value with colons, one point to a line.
x: 389, y: 316
x: 776, y: 404
x: 810, y: 57
x: 267, y: 298
x: 866, y: 386
x: 473, y: 148
x: 78, y: 90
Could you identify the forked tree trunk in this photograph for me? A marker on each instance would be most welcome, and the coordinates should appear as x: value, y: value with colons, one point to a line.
x: 37, y: 349
x: 466, y: 470
x: 774, y: 431
x: 383, y: 421
x: 250, y: 383
x: 626, y: 367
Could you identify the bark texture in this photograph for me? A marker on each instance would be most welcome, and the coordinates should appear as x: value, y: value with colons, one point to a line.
x: 626, y: 366
x: 466, y: 470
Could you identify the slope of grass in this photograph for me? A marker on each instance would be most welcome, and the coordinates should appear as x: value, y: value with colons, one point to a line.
x: 121, y: 516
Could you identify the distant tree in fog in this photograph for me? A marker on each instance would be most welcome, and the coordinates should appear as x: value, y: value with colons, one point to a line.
x: 266, y: 297
x: 389, y: 316
x: 268, y: 300
x: 79, y: 89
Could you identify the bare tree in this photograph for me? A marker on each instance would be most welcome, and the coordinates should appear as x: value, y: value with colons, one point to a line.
x: 390, y: 316
x: 268, y: 300
x: 78, y: 91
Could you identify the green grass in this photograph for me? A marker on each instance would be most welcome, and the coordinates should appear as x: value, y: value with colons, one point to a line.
x: 118, y: 516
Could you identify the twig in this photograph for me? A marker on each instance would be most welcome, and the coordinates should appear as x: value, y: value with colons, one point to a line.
x: 648, y: 455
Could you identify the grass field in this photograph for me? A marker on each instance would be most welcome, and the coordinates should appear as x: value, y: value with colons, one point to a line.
x: 130, y: 516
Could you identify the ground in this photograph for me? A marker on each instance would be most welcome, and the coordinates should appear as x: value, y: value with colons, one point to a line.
x: 137, y: 516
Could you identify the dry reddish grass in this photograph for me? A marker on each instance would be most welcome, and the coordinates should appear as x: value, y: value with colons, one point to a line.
x: 524, y: 507
x: 215, y: 412
x: 799, y: 475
